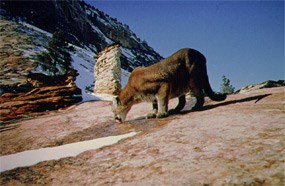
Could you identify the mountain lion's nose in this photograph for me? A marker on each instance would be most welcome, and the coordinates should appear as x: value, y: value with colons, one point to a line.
x: 118, y: 119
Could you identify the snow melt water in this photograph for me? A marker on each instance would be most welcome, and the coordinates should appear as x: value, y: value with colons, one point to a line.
x: 32, y: 157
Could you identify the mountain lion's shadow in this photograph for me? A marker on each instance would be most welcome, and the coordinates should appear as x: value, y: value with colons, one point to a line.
x: 208, y: 107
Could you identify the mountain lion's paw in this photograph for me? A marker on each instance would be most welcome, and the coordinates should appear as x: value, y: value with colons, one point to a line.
x: 151, y: 115
x: 162, y: 115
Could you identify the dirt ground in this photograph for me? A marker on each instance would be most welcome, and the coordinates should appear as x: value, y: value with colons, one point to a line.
x: 236, y: 142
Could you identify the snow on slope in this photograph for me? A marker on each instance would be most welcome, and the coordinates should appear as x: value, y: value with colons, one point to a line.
x: 82, y: 60
x: 35, y: 28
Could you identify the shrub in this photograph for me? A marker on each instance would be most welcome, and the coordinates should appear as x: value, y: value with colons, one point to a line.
x: 56, y: 60
x: 226, y: 87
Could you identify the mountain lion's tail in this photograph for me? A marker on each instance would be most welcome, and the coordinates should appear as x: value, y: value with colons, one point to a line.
x: 212, y: 95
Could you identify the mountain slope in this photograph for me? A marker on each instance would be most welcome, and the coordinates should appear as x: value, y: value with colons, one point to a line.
x: 84, y: 26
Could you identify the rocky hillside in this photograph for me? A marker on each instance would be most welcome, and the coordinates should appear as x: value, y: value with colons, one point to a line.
x: 239, y: 141
x: 26, y: 28
x: 265, y: 84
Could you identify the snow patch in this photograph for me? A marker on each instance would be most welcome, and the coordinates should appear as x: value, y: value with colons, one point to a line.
x: 32, y: 157
x: 105, y: 97
x: 85, y: 78
x: 109, y: 41
x: 124, y: 77
x: 36, y: 28
x: 128, y: 53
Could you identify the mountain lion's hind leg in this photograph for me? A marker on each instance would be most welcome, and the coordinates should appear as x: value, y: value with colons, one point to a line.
x: 154, y: 110
x: 200, y: 99
x: 179, y: 107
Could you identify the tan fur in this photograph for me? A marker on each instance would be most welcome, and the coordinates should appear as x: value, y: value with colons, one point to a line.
x: 172, y: 77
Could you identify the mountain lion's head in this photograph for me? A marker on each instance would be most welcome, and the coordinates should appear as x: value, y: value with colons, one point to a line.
x: 120, y: 111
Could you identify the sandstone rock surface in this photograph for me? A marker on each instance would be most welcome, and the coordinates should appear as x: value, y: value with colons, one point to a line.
x: 45, y: 93
x: 236, y: 142
x: 266, y: 84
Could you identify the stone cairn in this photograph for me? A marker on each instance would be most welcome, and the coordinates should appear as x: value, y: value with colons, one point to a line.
x: 107, y: 71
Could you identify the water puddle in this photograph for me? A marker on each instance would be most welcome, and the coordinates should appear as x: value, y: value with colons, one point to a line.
x: 32, y: 157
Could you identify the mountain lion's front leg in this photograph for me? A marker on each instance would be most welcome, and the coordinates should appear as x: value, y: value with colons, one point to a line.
x: 154, y: 110
x: 162, y: 98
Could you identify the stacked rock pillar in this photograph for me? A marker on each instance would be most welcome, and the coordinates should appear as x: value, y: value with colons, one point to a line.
x: 107, y: 71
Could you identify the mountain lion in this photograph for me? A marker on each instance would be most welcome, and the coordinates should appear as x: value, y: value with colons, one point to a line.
x: 172, y: 77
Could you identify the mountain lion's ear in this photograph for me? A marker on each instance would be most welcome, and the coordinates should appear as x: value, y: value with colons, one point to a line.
x: 116, y: 101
